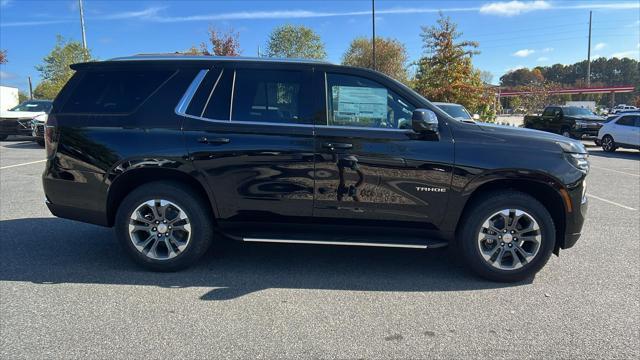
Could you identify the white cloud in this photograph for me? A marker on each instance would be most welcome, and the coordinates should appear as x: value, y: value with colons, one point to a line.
x: 542, y: 59
x: 600, y: 46
x: 632, y: 54
x: 6, y: 76
x: 514, y: 7
x: 523, y: 52
x: 517, y: 67
x: 547, y: 50
x: 144, y: 14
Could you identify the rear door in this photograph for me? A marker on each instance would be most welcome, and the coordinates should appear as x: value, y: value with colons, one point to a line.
x: 249, y: 130
x: 372, y: 170
x: 623, y: 129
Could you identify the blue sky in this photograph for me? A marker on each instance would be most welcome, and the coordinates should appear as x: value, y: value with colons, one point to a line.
x: 511, y: 34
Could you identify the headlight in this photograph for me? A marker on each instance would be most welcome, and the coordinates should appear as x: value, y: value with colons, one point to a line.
x: 580, y: 124
x: 579, y: 161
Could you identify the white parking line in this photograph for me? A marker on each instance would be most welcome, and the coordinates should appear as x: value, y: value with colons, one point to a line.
x: 27, y: 163
x: 612, y: 202
x: 618, y: 171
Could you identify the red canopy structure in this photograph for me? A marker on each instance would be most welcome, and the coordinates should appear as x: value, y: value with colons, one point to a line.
x: 589, y: 90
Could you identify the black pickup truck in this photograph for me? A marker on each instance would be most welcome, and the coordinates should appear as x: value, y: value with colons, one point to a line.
x: 569, y: 121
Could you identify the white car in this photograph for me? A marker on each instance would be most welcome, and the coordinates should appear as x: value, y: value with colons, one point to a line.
x: 623, y: 107
x: 621, y: 131
x: 19, y: 120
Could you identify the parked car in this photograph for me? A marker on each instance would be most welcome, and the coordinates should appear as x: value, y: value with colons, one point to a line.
x: 457, y: 112
x: 623, y: 107
x: 37, y: 128
x: 568, y: 121
x: 17, y: 120
x: 622, y: 131
x: 306, y: 152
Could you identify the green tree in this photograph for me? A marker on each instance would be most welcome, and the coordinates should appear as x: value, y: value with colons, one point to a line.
x: 55, y: 70
x: 445, y: 73
x: 391, y: 56
x: 295, y: 41
x: 22, y: 97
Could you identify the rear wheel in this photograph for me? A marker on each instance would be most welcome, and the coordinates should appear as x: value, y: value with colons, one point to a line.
x: 507, y: 236
x: 608, y: 144
x: 164, y: 226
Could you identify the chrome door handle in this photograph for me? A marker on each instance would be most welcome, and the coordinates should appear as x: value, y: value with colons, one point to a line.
x: 214, y: 141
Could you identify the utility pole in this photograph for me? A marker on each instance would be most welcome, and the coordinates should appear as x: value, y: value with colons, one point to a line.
x: 589, y: 54
x: 84, y: 36
x: 373, y: 14
x: 30, y: 89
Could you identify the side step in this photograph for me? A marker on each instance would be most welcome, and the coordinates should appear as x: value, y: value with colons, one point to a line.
x: 420, y: 245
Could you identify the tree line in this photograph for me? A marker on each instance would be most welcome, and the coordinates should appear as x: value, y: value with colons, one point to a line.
x: 604, y: 72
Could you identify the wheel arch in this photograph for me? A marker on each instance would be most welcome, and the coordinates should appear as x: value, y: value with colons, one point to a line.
x: 129, y: 180
x: 543, y: 188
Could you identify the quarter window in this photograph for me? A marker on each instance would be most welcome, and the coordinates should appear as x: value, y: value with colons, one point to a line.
x: 356, y: 101
x: 114, y: 92
x: 272, y: 96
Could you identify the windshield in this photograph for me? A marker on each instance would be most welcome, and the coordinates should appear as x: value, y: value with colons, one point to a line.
x: 33, y: 106
x: 455, y: 111
x: 577, y: 111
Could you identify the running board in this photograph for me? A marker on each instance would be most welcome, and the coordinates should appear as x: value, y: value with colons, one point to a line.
x: 343, y: 243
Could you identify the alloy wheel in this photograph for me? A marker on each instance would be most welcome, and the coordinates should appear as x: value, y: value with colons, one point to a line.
x: 159, y: 229
x: 509, y: 239
x: 607, y: 143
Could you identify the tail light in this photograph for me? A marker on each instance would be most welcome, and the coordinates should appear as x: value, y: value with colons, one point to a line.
x: 51, y: 135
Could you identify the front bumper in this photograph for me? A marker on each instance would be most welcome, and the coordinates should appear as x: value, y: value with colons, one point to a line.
x: 585, y: 133
x: 576, y: 217
x: 15, y: 127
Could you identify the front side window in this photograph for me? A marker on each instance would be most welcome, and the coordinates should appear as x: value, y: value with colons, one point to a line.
x: 360, y: 102
x: 272, y: 96
x: 626, y: 121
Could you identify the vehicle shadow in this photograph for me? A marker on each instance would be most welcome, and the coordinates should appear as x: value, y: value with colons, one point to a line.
x: 627, y: 154
x: 22, y: 145
x: 52, y: 251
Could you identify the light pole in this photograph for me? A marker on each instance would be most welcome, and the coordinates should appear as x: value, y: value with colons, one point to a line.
x: 373, y: 14
x: 84, y: 36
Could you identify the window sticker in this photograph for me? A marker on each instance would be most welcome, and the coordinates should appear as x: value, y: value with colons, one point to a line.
x: 359, y: 104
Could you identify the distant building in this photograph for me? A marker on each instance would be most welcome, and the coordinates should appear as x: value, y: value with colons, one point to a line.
x: 8, y: 97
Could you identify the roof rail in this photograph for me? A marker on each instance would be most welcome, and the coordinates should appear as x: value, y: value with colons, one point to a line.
x: 179, y: 56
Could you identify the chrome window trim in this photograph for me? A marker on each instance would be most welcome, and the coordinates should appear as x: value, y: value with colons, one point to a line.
x: 233, y: 90
x: 211, y: 93
x: 183, y: 104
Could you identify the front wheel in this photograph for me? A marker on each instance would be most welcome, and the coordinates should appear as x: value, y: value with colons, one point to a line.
x: 608, y: 144
x: 566, y: 133
x: 3, y: 137
x: 507, y: 236
x: 164, y: 226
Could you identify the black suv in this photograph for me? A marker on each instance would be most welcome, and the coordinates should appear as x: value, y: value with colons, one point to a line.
x: 175, y: 151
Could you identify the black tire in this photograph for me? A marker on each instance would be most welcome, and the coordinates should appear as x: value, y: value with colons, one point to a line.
x: 3, y: 137
x: 196, y: 209
x: 493, y: 202
x: 566, y: 133
x: 608, y: 144
x: 40, y: 142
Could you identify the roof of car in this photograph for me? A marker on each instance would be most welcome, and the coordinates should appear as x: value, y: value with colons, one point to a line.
x: 182, y: 57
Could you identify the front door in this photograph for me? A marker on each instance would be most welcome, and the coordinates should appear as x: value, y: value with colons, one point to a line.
x: 371, y: 168
x: 250, y: 131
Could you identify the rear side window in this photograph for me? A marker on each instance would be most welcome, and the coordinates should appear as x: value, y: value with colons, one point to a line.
x: 213, y: 98
x: 272, y: 96
x: 113, y: 92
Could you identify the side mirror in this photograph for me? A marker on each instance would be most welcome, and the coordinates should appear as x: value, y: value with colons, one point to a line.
x: 476, y: 117
x: 424, y: 121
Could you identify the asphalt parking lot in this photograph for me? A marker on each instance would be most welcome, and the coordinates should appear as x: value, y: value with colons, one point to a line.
x: 68, y: 291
